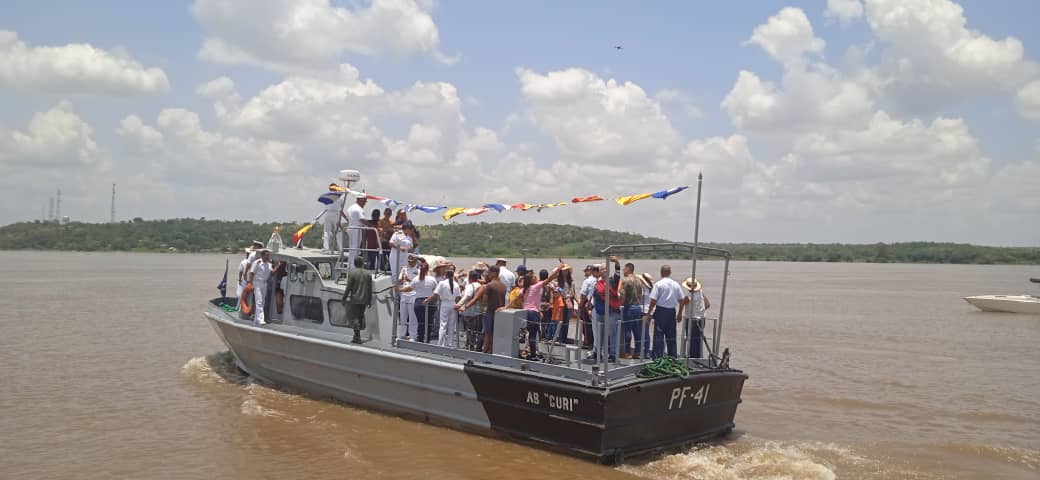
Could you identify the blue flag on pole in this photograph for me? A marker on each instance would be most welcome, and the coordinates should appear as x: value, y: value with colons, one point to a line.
x: 222, y: 286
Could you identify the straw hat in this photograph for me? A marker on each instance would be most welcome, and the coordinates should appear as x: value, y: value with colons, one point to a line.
x: 691, y: 284
x: 565, y: 267
x: 479, y: 266
x: 646, y: 279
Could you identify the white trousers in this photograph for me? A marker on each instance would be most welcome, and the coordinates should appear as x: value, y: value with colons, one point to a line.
x: 447, y: 334
x: 326, y: 236
x: 408, y: 324
x: 355, y: 245
x: 238, y: 290
x: 259, y: 289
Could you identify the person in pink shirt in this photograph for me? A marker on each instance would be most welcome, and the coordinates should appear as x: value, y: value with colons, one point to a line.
x: 532, y: 295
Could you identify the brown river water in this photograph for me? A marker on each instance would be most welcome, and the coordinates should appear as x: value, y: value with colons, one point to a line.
x: 108, y: 370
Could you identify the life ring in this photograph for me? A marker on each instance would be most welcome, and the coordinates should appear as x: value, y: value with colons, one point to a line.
x: 245, y: 301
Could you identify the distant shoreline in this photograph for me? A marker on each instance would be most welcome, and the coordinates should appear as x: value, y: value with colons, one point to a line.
x: 479, y: 240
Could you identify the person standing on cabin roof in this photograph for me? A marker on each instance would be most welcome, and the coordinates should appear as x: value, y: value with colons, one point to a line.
x: 370, y: 241
x: 400, y: 247
x: 259, y: 276
x: 355, y: 216
x: 665, y: 298
x: 447, y: 294
x: 507, y: 277
x: 331, y: 221
x: 631, y: 312
x: 357, y: 297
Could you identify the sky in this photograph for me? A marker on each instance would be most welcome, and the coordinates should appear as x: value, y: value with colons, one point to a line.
x: 812, y: 122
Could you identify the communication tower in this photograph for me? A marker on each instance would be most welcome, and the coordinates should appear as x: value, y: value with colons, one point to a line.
x: 113, y: 218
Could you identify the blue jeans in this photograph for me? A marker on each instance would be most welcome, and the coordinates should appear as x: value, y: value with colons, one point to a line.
x: 646, y: 338
x: 664, y: 331
x: 611, y: 328
x: 563, y: 326
x: 427, y: 330
x: 533, y: 318
x: 632, y: 316
x: 696, y: 333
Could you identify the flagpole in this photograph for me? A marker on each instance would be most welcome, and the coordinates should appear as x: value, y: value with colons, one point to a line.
x: 696, y: 243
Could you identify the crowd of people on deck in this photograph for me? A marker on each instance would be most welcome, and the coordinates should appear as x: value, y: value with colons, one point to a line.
x: 452, y: 307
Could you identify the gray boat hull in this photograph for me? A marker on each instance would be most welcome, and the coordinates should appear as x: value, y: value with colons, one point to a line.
x: 606, y: 423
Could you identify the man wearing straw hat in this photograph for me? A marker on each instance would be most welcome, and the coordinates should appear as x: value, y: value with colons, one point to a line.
x: 698, y: 306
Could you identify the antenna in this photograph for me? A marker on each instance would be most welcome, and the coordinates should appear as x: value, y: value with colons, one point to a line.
x: 113, y: 218
x: 57, y: 207
x: 50, y: 210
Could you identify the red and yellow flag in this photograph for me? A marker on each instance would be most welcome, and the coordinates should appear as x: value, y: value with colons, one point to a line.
x: 296, y: 237
x: 592, y: 198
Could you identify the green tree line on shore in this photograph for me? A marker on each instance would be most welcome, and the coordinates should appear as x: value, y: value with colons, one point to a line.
x: 473, y: 240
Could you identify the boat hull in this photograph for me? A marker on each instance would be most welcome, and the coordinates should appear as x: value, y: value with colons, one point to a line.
x: 605, y: 423
x: 1006, y: 303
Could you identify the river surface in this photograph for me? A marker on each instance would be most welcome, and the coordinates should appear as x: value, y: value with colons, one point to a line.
x: 108, y: 370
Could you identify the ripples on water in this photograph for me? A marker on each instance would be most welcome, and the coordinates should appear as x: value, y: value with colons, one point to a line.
x: 856, y: 371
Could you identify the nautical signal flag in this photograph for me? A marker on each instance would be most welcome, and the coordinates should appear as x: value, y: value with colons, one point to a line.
x: 298, y: 236
x: 329, y: 197
x: 663, y: 194
x: 336, y: 193
x: 632, y: 198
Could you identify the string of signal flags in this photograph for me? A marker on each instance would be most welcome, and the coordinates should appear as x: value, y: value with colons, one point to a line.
x: 335, y: 192
x: 452, y: 212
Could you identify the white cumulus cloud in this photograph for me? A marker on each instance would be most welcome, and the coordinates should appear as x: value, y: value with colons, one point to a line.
x: 844, y: 10
x: 294, y: 34
x: 1028, y: 100
x: 74, y: 68
x: 52, y: 139
x: 787, y: 36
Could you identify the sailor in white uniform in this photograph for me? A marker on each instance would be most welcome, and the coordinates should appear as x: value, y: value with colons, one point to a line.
x: 243, y: 273
x: 260, y: 274
x: 330, y: 222
x: 355, y: 214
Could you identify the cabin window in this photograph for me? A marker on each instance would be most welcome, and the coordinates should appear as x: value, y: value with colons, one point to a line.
x: 325, y: 270
x: 337, y: 313
x: 292, y: 272
x: 308, y: 308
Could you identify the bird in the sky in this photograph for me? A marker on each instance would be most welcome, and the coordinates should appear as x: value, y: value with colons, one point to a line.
x: 618, y: 47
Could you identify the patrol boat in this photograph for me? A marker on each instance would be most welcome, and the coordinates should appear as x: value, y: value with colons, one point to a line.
x: 603, y: 411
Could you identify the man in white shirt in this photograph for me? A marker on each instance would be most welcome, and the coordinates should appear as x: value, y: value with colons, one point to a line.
x: 259, y: 276
x: 507, y: 277
x: 355, y: 214
x: 585, y: 304
x: 666, y: 300
x: 331, y: 220
x: 699, y: 305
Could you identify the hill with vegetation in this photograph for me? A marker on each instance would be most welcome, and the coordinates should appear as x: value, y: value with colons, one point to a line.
x: 473, y: 240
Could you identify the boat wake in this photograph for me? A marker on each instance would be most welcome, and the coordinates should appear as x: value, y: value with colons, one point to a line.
x: 745, y: 459
x: 215, y: 368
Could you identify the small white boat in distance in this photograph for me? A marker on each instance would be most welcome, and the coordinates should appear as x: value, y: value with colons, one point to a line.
x: 1006, y: 303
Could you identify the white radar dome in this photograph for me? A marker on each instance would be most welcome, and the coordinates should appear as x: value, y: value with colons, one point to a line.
x: 349, y: 175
